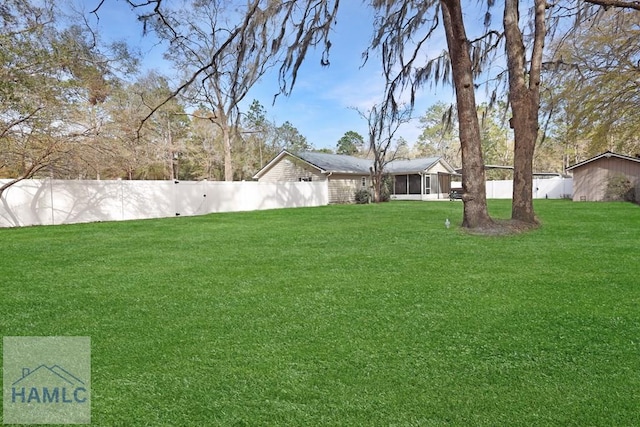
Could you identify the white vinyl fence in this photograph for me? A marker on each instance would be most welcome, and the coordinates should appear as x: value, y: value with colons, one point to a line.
x: 50, y: 202
x: 543, y: 188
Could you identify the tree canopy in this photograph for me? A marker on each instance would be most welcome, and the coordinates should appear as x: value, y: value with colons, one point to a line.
x: 594, y: 95
x: 350, y: 143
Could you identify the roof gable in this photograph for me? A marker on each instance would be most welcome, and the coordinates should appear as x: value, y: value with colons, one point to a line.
x: 277, y: 159
x: 606, y: 154
x: 414, y: 165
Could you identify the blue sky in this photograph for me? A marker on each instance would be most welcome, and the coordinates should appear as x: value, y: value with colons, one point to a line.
x: 322, y: 102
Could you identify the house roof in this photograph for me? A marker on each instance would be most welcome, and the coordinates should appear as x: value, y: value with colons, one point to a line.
x: 339, y: 163
x: 606, y: 154
x: 412, y: 166
x: 336, y: 163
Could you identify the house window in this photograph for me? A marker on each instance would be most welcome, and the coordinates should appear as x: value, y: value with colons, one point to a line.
x: 400, y: 186
x: 304, y: 179
x: 414, y: 183
x: 364, y: 181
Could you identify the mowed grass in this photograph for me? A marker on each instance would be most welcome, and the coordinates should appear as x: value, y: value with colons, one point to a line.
x: 342, y: 315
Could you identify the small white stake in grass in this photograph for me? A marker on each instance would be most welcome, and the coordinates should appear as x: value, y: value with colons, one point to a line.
x: 447, y: 223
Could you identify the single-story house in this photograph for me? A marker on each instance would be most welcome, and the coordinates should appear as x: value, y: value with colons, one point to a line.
x: 590, y: 177
x: 418, y: 179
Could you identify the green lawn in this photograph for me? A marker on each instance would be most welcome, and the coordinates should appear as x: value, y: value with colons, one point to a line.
x: 358, y: 315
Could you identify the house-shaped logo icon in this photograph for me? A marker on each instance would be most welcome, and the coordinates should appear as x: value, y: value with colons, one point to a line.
x: 48, y: 385
x: 46, y: 380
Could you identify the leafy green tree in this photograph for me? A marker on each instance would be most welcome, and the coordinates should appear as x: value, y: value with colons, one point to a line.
x: 595, y: 99
x: 289, y: 138
x: 351, y: 143
x: 263, y: 139
x: 258, y: 134
x: 205, y: 146
x: 439, y: 135
x: 402, y: 149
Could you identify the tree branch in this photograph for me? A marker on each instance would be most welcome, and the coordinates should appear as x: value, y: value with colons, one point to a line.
x: 616, y: 3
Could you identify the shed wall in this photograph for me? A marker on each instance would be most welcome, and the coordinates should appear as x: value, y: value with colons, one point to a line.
x: 590, y: 180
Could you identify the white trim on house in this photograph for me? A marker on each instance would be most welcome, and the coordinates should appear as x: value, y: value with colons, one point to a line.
x: 606, y: 154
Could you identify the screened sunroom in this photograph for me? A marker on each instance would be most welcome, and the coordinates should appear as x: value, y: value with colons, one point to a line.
x: 421, y: 179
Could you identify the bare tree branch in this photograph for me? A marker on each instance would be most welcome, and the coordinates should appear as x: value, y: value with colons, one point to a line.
x: 97, y: 8
x: 635, y: 5
x: 19, y: 121
x: 382, y: 126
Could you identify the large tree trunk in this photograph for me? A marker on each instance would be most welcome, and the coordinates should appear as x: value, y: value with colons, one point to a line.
x: 473, y: 177
x: 376, y: 180
x: 524, y: 97
x: 222, y: 121
x: 228, y: 166
x: 525, y: 130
